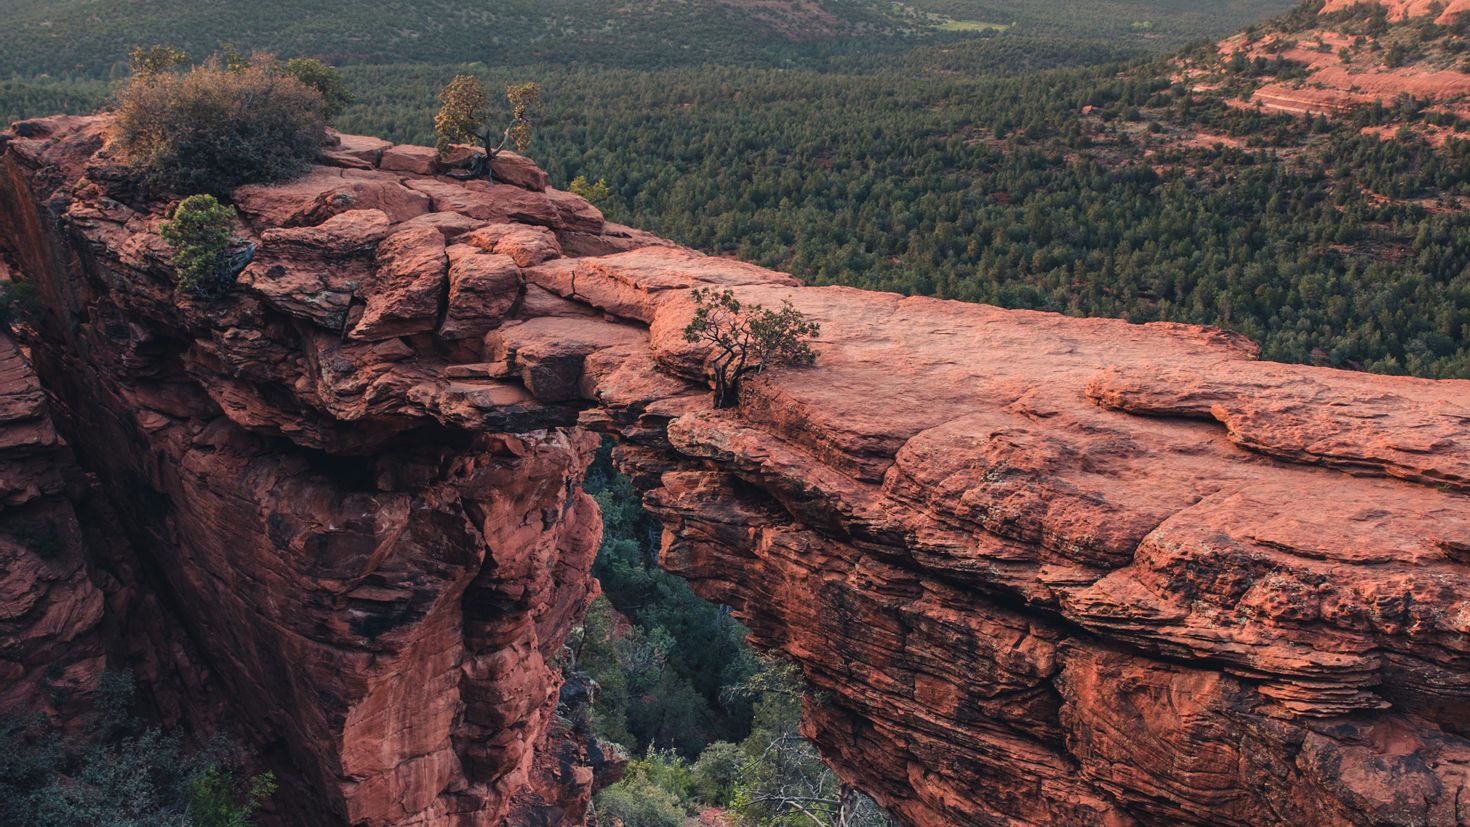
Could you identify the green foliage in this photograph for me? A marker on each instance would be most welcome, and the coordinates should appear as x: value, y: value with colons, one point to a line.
x: 156, y: 59
x: 595, y: 193
x: 464, y: 114
x: 647, y: 796
x: 772, y: 778
x: 716, y: 726
x: 525, y: 101
x: 463, y: 110
x: 232, y: 58
x: 326, y: 80
x: 219, y: 799
x: 716, y: 774
x: 212, y: 129
x: 746, y: 339
x: 665, y: 660
x: 118, y: 772
x: 200, y: 231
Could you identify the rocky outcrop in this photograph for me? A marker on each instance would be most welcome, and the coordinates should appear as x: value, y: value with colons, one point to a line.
x: 1327, y: 65
x: 382, y: 597
x: 1044, y: 570
x: 1396, y: 10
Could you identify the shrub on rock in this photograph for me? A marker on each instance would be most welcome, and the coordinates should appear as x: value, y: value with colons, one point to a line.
x: 200, y: 232
x: 214, y: 128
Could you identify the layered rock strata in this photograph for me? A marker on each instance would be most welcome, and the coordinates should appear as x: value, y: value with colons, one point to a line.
x: 1044, y: 570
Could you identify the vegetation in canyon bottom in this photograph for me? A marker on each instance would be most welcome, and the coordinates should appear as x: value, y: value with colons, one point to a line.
x: 119, y: 771
x: 707, y: 722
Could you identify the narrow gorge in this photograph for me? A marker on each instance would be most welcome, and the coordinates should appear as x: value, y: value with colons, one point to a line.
x: 1037, y: 569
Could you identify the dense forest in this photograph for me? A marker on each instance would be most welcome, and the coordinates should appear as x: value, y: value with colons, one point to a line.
x: 87, y: 39
x: 966, y: 149
x: 1085, y: 191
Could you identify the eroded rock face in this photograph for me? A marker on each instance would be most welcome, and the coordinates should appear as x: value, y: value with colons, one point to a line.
x: 51, y: 652
x: 381, y: 596
x: 1045, y: 570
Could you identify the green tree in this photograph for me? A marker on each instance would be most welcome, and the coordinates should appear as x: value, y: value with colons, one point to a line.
x: 595, y: 193
x: 747, y: 339
x: 325, y: 79
x: 639, y: 801
x: 218, y: 798
x: 119, y: 772
x: 464, y: 117
x: 784, y: 782
x: 201, y: 233
x: 156, y: 59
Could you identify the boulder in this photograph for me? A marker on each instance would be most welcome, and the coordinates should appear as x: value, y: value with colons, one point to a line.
x: 407, y: 287
x: 548, y: 353
x: 313, y: 272
x: 489, y: 202
x: 575, y: 213
x: 508, y: 167
x: 483, y: 287
x: 353, y: 151
x: 529, y: 246
x: 324, y: 192
x: 520, y: 171
x: 451, y: 224
x: 418, y: 160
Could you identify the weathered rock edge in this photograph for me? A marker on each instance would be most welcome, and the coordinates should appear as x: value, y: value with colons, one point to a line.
x: 1045, y: 570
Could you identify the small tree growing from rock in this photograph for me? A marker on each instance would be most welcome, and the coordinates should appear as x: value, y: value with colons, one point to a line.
x: 746, y: 339
x: 465, y: 114
x: 200, y: 232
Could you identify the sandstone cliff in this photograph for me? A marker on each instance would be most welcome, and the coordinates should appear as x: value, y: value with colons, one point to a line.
x: 1045, y: 570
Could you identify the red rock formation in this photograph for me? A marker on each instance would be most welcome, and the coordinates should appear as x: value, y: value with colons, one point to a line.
x: 1045, y: 570
x: 1405, y: 9
x: 1338, y: 69
x: 51, y: 654
x: 382, y: 598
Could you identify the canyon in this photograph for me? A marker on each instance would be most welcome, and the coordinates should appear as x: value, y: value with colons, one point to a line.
x: 1037, y: 569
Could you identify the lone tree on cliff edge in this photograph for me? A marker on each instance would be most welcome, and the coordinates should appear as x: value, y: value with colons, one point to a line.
x: 747, y: 338
x: 465, y: 114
